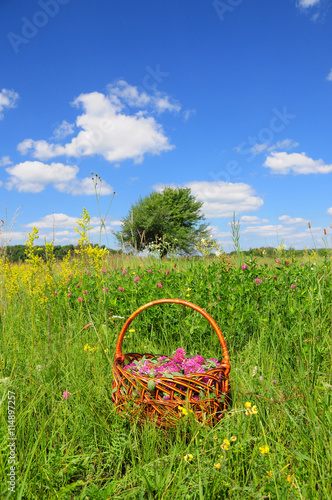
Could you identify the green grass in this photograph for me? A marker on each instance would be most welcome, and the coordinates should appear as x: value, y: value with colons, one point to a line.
x: 279, y: 340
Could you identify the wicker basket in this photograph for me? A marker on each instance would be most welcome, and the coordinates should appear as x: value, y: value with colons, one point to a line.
x: 207, y: 394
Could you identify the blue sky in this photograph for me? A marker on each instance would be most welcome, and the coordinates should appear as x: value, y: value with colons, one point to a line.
x: 232, y: 98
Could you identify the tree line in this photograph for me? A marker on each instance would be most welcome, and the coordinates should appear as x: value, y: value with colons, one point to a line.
x: 16, y: 253
x: 166, y: 222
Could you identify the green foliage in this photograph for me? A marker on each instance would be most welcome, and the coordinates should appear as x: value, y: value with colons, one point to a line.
x: 278, y: 333
x: 164, y: 221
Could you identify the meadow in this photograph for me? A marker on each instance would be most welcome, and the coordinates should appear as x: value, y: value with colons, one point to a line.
x: 59, y: 324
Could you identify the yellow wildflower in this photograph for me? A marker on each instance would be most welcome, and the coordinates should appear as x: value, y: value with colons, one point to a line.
x: 188, y: 458
x: 188, y: 289
x: 226, y: 444
x: 188, y: 295
x: 86, y: 347
x: 290, y: 479
x: 249, y: 410
x: 183, y: 410
x: 217, y: 466
x: 269, y: 473
x: 132, y: 330
x: 233, y: 438
x: 264, y: 449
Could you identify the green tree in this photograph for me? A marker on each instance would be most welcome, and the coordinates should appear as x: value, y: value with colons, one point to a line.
x: 164, y: 221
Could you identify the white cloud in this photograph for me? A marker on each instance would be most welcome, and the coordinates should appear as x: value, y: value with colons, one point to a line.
x: 217, y: 233
x: 105, y: 129
x: 4, y: 161
x: 329, y: 211
x: 305, y: 4
x: 288, y: 234
x: 251, y: 219
x: 34, y: 176
x: 269, y: 230
x: 8, y: 99
x: 83, y: 186
x: 257, y: 148
x: 7, y: 237
x: 299, y: 163
x: 121, y: 93
x: 285, y: 144
x: 1, y: 183
x: 63, y: 130
x: 160, y: 186
x: 54, y: 220
x: 222, y: 199
x: 60, y: 220
x: 286, y: 219
x: 329, y: 76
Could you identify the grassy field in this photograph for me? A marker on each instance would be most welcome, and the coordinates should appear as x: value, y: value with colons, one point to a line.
x: 56, y: 375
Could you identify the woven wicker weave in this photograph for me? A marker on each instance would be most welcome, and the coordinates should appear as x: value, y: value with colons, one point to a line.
x: 207, y: 394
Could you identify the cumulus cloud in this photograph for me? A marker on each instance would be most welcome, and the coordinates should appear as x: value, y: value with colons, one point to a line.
x: 269, y: 230
x: 222, y: 199
x: 298, y: 163
x: 217, y: 233
x: 83, y: 186
x: 107, y: 128
x: 287, y: 233
x: 60, y: 220
x: 286, y: 219
x: 34, y: 176
x: 251, y: 219
x: 6, y: 238
x: 329, y: 76
x: 329, y: 211
x: 63, y: 130
x: 8, y: 99
x: 54, y: 220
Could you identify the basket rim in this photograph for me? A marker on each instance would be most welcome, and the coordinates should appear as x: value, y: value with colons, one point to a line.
x: 119, y: 356
x: 224, y: 367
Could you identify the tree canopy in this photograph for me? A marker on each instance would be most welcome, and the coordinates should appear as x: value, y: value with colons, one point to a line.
x: 164, y: 221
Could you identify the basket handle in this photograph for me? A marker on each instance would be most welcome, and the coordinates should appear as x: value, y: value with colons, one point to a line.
x: 118, y: 353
